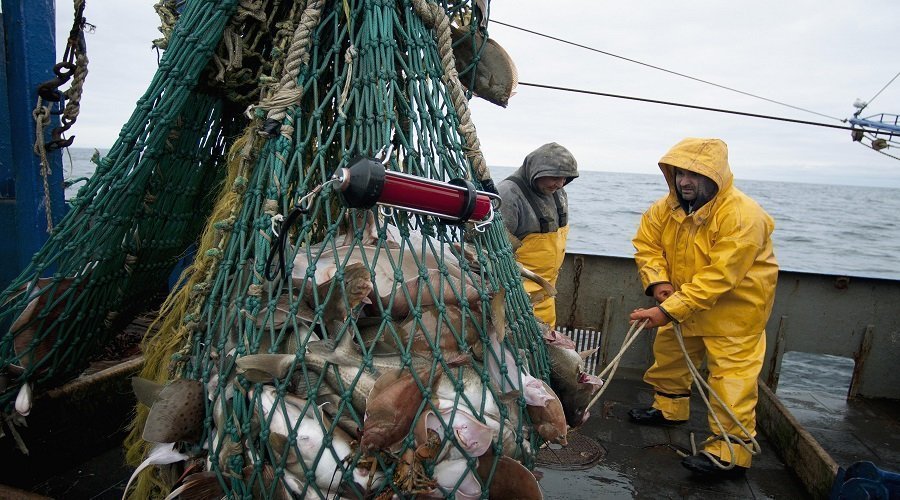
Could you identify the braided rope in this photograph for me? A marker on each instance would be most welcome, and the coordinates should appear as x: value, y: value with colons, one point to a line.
x: 287, y: 93
x: 41, y: 116
x: 435, y: 17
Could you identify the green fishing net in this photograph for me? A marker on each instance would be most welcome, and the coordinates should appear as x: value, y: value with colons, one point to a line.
x: 312, y: 348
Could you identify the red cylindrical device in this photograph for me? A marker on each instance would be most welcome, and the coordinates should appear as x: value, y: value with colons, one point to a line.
x: 366, y: 183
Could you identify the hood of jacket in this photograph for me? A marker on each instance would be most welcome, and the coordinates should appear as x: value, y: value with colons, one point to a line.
x: 707, y: 157
x: 549, y: 160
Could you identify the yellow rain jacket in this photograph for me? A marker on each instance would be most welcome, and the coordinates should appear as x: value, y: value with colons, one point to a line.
x: 719, y: 258
x: 720, y: 262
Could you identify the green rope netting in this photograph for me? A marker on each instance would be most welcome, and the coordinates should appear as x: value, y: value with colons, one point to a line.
x: 394, y: 354
x: 128, y: 226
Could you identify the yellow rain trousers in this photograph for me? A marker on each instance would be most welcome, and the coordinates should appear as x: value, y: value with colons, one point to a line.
x: 543, y: 254
x: 734, y: 364
x: 720, y: 260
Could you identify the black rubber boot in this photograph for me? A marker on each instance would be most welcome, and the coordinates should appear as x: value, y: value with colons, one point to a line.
x: 703, y: 466
x: 650, y: 416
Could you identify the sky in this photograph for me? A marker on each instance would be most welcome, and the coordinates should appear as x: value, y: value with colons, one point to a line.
x: 819, y: 55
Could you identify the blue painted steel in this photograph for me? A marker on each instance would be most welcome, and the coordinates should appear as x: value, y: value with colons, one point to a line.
x: 30, y: 57
x: 883, y: 123
x: 7, y: 182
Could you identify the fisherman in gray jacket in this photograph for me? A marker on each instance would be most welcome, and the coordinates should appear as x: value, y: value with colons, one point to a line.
x: 535, y: 212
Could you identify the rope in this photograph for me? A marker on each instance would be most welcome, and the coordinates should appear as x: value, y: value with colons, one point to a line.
x: 434, y: 17
x: 41, y: 116
x: 287, y: 93
x: 349, y: 56
x: 707, y: 82
x: 691, y: 106
x: 753, y: 447
x: 886, y: 85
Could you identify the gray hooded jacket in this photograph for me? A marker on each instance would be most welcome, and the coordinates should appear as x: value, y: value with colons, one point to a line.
x: 549, y: 160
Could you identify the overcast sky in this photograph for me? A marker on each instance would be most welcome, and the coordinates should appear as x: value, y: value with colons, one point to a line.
x: 818, y: 55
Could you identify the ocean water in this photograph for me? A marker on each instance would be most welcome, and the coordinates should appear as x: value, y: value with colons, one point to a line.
x: 821, y: 228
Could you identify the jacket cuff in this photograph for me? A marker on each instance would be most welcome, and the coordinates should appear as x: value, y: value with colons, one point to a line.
x: 663, y: 309
x: 675, y: 308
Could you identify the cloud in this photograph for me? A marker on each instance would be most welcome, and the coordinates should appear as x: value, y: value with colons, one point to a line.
x: 810, y: 54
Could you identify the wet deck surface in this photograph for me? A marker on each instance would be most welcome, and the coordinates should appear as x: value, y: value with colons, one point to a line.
x: 640, y: 461
x: 813, y: 387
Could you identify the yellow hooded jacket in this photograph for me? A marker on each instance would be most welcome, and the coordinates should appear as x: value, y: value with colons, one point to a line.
x: 719, y: 258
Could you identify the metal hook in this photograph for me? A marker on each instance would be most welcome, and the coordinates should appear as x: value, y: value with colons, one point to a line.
x: 481, y: 226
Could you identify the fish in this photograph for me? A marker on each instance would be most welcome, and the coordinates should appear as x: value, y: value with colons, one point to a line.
x: 160, y: 454
x: 365, y: 220
x: 392, y: 406
x: 205, y: 485
x: 289, y: 413
x: 477, y: 396
x: 495, y: 76
x: 549, y: 289
x: 341, y: 378
x: 510, y: 479
x: 268, y: 368
x: 473, y: 436
x: 177, y: 409
x: 517, y: 378
x: 33, y: 335
x: 556, y: 338
x: 455, y: 476
x: 265, y: 368
x: 431, y: 328
x: 398, y: 279
x: 345, y: 353
x: 498, y: 314
x: 24, y: 399
x: 571, y: 382
x: 549, y: 420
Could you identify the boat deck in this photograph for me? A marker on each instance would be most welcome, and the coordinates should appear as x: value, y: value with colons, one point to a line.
x: 642, y: 462
x: 634, y: 461
x: 814, y: 388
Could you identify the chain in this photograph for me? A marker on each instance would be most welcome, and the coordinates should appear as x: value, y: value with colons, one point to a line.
x: 579, y: 266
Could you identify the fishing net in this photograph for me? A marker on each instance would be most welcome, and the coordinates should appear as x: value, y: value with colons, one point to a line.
x: 311, y: 348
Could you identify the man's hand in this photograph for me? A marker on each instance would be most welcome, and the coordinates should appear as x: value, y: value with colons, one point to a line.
x: 656, y: 316
x: 661, y: 291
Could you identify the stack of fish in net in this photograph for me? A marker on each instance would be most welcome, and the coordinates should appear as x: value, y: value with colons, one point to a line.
x: 386, y: 353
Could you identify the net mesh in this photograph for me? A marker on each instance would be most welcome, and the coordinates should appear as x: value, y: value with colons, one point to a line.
x: 393, y: 354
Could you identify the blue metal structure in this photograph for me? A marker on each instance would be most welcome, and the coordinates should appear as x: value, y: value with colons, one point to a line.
x: 882, y: 121
x: 27, y: 60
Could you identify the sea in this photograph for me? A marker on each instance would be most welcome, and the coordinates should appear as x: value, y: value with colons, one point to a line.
x: 820, y: 228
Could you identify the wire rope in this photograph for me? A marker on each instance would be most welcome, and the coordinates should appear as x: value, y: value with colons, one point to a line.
x: 676, y: 73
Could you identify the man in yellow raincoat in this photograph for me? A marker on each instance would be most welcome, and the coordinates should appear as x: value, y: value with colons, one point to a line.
x: 535, y: 211
x: 704, y: 253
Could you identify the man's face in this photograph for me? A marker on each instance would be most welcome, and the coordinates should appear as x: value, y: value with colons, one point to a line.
x: 549, y: 185
x: 688, y: 183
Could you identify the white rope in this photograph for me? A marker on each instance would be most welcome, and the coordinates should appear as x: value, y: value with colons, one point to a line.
x: 753, y: 447
x: 630, y: 337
